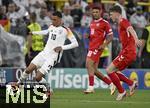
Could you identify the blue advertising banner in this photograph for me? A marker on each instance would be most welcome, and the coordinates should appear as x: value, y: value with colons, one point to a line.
x: 76, y: 78
x: 141, y: 75
x: 12, y: 74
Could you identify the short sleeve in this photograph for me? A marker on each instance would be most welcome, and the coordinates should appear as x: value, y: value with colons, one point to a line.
x: 125, y: 23
x: 108, y: 29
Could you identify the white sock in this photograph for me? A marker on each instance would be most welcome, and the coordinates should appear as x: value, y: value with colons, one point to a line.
x: 91, y: 87
x: 43, y: 81
x: 23, y: 77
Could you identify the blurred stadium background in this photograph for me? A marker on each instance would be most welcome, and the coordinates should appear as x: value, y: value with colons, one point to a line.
x: 69, y: 77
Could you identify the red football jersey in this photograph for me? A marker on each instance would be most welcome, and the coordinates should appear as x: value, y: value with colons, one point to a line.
x: 126, y: 38
x: 98, y: 31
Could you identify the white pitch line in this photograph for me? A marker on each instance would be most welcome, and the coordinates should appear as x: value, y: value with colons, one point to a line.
x: 88, y: 101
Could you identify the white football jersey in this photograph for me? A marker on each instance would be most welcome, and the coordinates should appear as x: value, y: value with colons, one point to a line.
x: 57, y: 37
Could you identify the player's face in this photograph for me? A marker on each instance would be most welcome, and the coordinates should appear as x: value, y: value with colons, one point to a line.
x: 56, y: 21
x: 96, y: 14
x: 113, y: 16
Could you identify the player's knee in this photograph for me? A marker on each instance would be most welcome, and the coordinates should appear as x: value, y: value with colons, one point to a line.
x: 95, y: 73
x: 28, y: 71
x: 89, y: 65
x: 108, y: 70
x: 37, y: 78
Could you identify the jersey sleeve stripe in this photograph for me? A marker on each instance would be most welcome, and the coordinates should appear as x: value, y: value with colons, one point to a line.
x: 69, y: 33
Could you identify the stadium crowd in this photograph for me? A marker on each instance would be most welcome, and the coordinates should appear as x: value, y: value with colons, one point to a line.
x: 20, y: 17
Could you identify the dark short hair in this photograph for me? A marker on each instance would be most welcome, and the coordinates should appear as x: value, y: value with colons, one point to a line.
x: 96, y: 7
x: 58, y: 14
x: 87, y: 8
x: 116, y: 8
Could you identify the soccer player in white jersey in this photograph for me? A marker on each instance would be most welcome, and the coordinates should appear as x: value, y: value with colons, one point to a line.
x: 53, y: 50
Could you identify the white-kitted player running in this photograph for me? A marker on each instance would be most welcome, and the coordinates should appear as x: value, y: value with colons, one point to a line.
x: 53, y: 50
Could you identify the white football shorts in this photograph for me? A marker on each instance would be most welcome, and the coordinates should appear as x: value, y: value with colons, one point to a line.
x: 44, y: 64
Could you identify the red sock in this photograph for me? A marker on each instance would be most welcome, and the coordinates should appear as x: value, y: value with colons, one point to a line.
x: 106, y: 80
x: 91, y: 80
x: 103, y: 78
x: 123, y: 78
x: 114, y: 78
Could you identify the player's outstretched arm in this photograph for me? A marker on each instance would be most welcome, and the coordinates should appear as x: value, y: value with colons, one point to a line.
x: 74, y: 42
x: 43, y: 32
x: 107, y: 41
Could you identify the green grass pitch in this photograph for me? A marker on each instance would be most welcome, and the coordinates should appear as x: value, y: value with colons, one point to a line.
x: 74, y: 98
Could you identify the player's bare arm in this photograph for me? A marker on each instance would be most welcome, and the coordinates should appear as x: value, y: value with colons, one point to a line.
x: 133, y: 33
x: 141, y: 48
x: 107, y: 41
